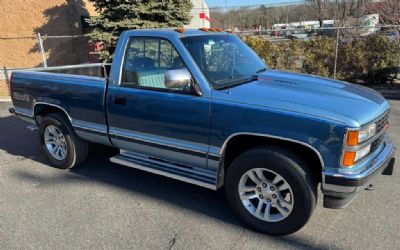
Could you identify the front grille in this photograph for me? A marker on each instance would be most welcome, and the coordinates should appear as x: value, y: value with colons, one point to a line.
x: 380, y: 125
x: 376, y: 143
x: 382, y: 121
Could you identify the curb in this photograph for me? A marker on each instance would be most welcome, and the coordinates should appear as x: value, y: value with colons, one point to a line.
x: 5, y: 99
x: 390, y: 94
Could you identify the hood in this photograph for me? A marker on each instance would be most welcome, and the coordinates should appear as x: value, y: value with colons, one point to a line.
x: 349, y: 104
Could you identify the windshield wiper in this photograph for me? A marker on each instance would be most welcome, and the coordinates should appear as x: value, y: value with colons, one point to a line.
x: 237, y: 82
x: 261, y: 70
x: 258, y: 72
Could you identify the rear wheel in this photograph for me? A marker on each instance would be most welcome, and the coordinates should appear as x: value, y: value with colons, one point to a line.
x: 271, y: 189
x: 59, y: 142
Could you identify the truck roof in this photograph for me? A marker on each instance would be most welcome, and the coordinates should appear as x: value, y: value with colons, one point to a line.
x: 173, y: 32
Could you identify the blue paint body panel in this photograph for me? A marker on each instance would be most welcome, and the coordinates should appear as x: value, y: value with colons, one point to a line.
x: 82, y: 97
x: 168, y: 118
x: 311, y: 110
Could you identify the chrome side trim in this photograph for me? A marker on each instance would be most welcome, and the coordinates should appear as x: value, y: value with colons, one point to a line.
x: 95, y: 127
x: 25, y: 118
x: 78, y: 124
x: 32, y: 127
x: 222, y: 150
x: 116, y: 132
x: 23, y: 114
x: 89, y: 129
x: 23, y: 111
x: 213, y: 157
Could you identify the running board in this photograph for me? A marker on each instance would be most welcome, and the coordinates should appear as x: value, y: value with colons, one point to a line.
x: 32, y: 127
x: 198, y: 176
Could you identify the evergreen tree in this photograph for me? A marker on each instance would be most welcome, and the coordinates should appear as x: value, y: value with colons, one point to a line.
x: 116, y: 16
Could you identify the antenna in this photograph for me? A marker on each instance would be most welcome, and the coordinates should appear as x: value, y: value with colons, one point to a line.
x: 226, y: 14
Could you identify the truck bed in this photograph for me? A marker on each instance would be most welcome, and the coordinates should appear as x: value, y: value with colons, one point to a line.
x: 77, y: 89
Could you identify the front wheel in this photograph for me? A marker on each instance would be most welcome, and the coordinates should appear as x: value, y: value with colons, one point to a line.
x: 271, y: 189
x: 59, y: 142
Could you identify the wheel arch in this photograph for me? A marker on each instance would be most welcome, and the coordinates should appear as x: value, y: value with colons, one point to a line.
x: 41, y: 109
x: 237, y: 143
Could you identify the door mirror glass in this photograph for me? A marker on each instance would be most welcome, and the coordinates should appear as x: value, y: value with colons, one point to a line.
x: 177, y: 78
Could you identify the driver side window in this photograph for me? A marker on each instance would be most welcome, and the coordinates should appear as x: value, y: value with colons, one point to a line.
x: 146, y: 62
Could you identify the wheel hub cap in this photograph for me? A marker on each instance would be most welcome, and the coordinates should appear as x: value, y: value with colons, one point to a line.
x: 55, y: 142
x: 266, y: 194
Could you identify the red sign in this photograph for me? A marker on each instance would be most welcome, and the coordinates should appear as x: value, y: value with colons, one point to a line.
x: 204, y: 16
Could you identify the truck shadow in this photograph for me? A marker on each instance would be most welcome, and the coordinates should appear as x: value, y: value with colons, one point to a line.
x: 23, y: 143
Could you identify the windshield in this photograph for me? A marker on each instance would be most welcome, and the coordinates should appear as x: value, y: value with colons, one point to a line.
x: 225, y: 60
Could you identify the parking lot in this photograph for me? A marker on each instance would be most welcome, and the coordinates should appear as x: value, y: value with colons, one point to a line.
x: 101, y: 205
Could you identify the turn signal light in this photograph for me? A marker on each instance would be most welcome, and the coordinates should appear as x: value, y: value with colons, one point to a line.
x: 352, y: 138
x: 349, y: 159
x: 204, y: 29
x: 180, y: 30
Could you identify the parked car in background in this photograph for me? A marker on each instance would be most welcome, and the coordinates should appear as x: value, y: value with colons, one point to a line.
x: 201, y: 107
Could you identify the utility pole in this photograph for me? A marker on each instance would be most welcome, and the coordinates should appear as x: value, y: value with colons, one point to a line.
x: 227, y: 14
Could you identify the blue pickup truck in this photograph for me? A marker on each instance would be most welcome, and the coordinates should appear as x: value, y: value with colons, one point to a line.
x: 201, y: 107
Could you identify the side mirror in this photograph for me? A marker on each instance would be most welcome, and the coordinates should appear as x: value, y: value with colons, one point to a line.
x: 177, y: 78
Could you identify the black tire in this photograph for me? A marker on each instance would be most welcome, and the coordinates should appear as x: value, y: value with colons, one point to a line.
x: 292, y: 169
x: 77, y: 149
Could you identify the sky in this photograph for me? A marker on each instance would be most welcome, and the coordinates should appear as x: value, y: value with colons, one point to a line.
x: 212, y: 3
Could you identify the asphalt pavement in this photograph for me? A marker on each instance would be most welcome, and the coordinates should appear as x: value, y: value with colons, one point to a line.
x: 101, y: 205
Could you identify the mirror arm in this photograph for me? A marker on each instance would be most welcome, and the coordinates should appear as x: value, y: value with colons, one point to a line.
x: 195, y: 89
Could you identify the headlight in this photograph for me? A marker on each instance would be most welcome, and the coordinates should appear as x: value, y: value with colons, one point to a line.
x: 366, y: 133
x: 355, y: 137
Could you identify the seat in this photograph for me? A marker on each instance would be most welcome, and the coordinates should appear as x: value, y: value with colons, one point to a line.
x: 143, y: 64
x: 153, y: 79
x: 177, y: 63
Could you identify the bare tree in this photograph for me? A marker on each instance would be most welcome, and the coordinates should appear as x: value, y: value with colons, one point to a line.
x: 345, y: 9
x: 388, y: 10
x: 321, y: 7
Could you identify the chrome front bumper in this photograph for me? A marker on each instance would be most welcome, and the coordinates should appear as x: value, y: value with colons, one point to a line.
x: 340, y: 189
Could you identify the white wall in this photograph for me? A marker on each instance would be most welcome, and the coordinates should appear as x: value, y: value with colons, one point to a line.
x: 199, y: 6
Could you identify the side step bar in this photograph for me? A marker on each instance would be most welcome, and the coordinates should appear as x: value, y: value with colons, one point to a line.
x: 201, y: 177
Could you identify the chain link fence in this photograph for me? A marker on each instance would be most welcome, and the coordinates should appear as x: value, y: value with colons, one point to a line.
x: 42, y: 51
x: 365, y: 55
x: 53, y: 50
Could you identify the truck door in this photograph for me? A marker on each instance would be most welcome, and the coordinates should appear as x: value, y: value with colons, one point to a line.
x: 147, y: 116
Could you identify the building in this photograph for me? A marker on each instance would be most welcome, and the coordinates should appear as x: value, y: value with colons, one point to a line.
x: 200, y: 15
x: 21, y: 20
